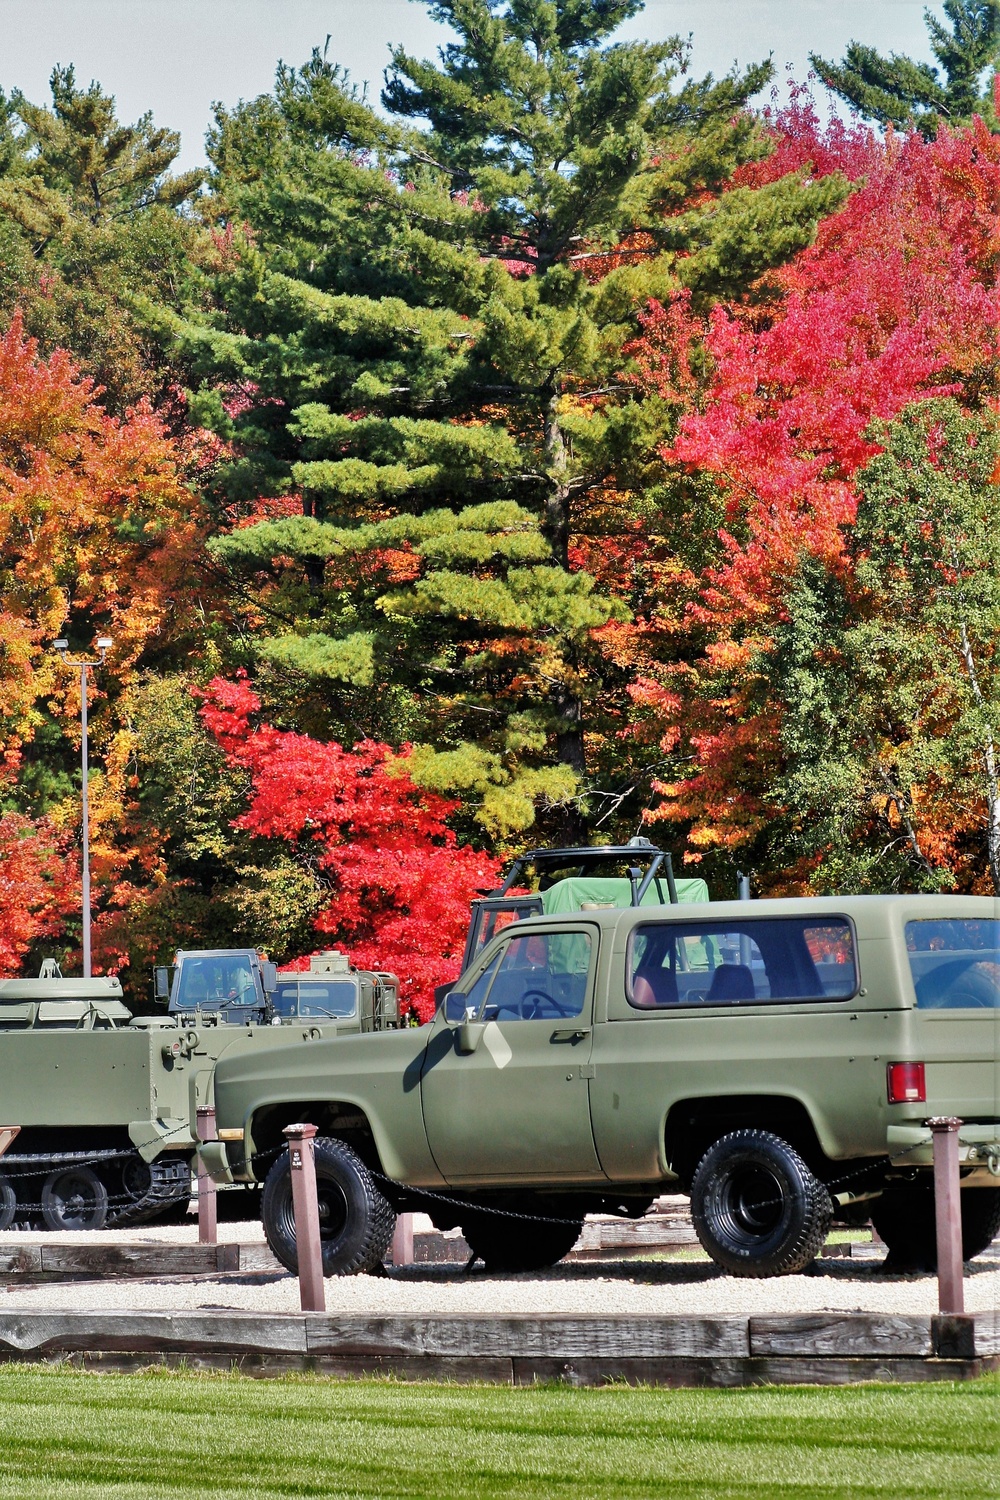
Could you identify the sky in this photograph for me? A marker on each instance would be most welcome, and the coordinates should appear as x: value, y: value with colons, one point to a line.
x: 175, y: 57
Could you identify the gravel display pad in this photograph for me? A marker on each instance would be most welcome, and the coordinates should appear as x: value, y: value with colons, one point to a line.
x: 653, y: 1287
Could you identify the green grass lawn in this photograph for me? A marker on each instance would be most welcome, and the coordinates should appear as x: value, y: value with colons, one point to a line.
x: 64, y: 1433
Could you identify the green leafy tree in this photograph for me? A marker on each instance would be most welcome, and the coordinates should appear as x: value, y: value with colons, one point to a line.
x: 898, y: 91
x: 89, y: 218
x: 426, y: 329
x: 890, y: 674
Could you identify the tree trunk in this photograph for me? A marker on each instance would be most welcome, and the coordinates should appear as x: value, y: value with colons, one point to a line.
x: 989, y: 765
x: 557, y: 482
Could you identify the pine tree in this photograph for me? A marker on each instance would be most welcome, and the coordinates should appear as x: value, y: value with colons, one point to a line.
x: 427, y: 332
x: 88, y: 220
x: 897, y: 91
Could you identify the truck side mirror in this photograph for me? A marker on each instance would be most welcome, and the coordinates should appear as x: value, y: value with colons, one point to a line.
x: 269, y: 977
x: 454, y: 1008
x: 161, y: 983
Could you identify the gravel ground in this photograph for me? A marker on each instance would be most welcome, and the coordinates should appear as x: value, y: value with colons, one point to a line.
x: 675, y: 1285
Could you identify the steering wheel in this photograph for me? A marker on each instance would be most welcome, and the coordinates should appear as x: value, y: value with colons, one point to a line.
x: 533, y: 1000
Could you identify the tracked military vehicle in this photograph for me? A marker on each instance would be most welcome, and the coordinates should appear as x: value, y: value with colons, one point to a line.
x: 104, y: 1103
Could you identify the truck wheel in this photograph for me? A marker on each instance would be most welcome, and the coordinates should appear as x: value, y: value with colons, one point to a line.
x: 517, y: 1244
x: 355, y: 1220
x: 74, y: 1198
x: 904, y: 1217
x: 8, y: 1203
x: 757, y: 1208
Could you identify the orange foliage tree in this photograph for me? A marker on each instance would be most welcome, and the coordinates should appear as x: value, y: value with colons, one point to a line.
x: 98, y: 530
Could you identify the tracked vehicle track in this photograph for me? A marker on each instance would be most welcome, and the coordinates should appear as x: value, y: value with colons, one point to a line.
x: 135, y: 1191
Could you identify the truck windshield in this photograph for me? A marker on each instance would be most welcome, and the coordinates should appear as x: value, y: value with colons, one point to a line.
x: 218, y: 982
x: 306, y: 997
x: 955, y: 964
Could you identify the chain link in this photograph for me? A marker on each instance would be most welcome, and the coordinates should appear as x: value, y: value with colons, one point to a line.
x: 470, y: 1207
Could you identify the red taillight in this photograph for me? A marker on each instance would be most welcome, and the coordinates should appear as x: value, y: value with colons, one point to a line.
x: 906, y: 1083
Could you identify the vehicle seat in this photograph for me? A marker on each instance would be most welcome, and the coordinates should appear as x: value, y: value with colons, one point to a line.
x: 653, y: 987
x: 731, y: 982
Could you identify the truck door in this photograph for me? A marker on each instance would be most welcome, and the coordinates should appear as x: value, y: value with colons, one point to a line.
x: 517, y: 1107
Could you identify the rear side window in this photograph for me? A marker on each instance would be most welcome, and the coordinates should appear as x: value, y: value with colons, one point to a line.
x: 955, y: 964
x: 741, y: 963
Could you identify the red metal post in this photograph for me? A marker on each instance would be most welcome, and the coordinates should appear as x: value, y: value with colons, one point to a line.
x: 208, y: 1232
x: 305, y: 1204
x: 402, y: 1241
x: 948, y: 1214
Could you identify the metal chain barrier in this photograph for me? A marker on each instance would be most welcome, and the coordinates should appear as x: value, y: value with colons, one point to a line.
x: 508, y: 1213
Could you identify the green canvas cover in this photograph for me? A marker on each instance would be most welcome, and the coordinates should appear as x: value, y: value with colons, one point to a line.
x: 573, y: 893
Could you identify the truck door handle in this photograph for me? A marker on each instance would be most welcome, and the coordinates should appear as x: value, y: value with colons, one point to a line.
x: 575, y: 1035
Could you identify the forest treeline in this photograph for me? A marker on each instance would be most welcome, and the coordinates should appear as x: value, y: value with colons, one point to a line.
x: 564, y: 448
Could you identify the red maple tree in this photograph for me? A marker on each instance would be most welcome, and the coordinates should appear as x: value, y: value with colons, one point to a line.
x: 399, y: 882
x: 896, y: 301
x: 38, y: 885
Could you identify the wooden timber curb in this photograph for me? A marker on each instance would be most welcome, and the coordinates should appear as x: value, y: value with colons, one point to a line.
x: 52, y: 1261
x: 816, y: 1349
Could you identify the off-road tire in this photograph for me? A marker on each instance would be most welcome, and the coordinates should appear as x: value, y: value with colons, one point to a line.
x: 518, y: 1244
x: 757, y: 1208
x: 904, y: 1218
x: 356, y: 1219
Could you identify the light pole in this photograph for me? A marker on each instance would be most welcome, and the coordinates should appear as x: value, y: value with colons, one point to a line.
x: 103, y: 645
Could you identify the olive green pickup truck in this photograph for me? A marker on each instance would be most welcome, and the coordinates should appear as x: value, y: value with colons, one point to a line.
x: 777, y: 1060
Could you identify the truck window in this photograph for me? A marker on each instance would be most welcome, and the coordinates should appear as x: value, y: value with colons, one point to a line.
x: 955, y: 964
x: 540, y: 976
x: 741, y: 963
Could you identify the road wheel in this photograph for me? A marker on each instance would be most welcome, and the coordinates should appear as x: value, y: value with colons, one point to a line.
x: 355, y: 1220
x: 74, y: 1198
x: 757, y: 1208
x: 8, y: 1203
x: 518, y: 1244
x: 904, y: 1217
x: 152, y: 1191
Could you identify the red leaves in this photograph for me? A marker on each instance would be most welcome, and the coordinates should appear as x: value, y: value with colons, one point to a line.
x: 400, y: 883
x: 896, y: 301
x: 38, y: 886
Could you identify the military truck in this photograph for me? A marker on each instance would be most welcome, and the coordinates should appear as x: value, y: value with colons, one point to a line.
x: 239, y: 986
x: 776, y: 1060
x: 106, y: 1102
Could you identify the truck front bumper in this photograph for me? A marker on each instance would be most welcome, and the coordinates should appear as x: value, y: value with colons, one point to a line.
x: 978, y: 1147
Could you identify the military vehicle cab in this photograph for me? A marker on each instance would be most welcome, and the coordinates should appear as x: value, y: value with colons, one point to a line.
x: 330, y: 990
x: 237, y: 986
